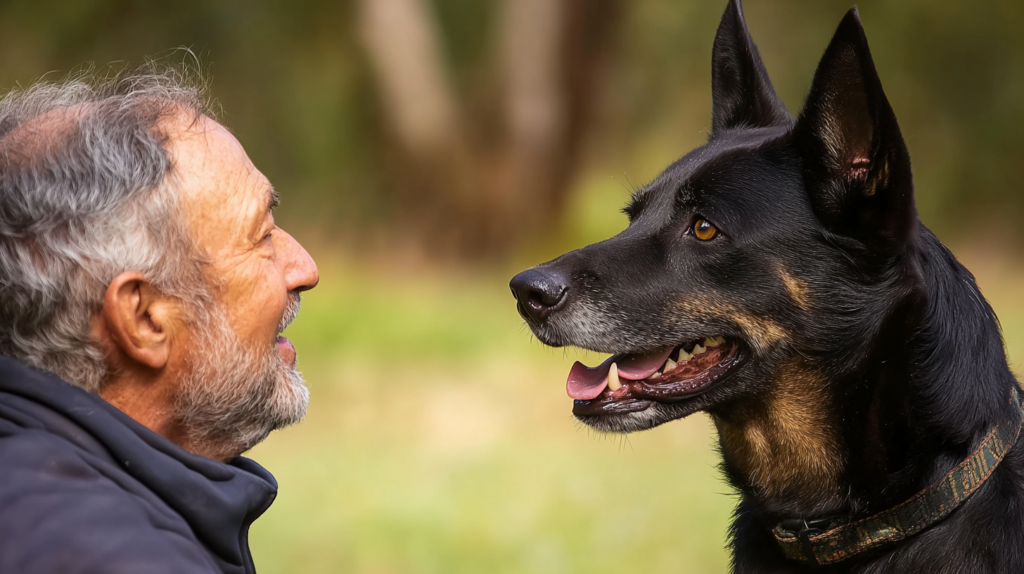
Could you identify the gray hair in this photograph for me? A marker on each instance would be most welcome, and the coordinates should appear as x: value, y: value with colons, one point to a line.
x: 86, y: 193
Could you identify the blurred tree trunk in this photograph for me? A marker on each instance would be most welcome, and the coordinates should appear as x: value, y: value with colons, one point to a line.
x: 476, y: 193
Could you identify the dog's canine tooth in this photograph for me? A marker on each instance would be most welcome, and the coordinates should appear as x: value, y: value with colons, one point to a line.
x: 711, y: 342
x: 613, y: 378
x: 669, y: 365
x: 697, y: 349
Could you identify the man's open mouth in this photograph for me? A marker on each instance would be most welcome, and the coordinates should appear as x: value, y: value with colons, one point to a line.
x: 630, y: 382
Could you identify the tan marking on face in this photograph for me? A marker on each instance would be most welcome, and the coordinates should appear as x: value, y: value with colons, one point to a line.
x: 784, y: 444
x: 797, y: 288
x: 762, y: 334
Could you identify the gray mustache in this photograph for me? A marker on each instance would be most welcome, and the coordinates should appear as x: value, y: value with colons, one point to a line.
x: 290, y: 312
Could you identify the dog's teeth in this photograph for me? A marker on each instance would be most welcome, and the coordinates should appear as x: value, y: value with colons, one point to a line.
x: 613, y: 378
x: 669, y: 365
x: 711, y: 342
x: 656, y: 375
x: 697, y: 349
x: 719, y: 339
x: 684, y: 356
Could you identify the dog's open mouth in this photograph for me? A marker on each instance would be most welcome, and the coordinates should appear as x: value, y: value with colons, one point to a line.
x: 629, y: 382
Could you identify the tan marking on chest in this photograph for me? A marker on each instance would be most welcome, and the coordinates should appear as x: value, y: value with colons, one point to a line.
x: 784, y: 444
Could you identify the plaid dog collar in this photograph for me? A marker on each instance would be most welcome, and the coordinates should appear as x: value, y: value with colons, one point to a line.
x: 830, y: 540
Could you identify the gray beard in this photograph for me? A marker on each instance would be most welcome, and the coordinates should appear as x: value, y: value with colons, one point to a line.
x: 235, y: 395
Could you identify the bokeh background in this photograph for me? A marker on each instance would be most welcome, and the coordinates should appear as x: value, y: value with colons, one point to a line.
x: 426, y: 150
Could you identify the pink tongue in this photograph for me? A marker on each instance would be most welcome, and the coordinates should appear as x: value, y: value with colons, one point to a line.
x: 586, y: 383
x: 636, y: 367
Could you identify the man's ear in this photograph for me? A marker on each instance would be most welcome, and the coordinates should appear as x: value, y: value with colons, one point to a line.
x: 742, y: 94
x: 856, y: 165
x: 136, y: 318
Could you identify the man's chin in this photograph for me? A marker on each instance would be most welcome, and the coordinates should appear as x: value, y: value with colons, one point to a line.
x: 291, y: 397
x: 285, y: 407
x: 236, y: 397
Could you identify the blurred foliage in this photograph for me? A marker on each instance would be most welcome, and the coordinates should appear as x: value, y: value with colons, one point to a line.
x: 295, y: 86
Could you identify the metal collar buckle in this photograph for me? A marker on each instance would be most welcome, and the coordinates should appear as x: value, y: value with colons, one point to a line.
x: 803, y: 529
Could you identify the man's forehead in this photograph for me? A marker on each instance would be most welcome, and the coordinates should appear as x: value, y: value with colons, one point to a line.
x: 224, y: 196
x: 199, y: 134
x: 205, y: 151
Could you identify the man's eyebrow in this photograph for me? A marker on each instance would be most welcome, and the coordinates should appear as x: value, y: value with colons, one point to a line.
x: 275, y: 199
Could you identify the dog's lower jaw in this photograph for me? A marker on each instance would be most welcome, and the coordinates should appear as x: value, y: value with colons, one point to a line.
x: 624, y: 423
x: 639, y: 415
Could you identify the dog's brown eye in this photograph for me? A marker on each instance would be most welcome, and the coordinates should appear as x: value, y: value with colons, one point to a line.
x: 703, y: 230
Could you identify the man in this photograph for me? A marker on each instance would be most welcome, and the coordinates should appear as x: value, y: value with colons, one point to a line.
x: 143, y: 289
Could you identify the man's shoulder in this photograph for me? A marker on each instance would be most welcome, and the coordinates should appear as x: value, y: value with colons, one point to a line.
x: 63, y: 510
x: 38, y: 460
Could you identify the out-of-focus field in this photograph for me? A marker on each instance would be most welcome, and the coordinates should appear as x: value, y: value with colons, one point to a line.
x: 440, y: 440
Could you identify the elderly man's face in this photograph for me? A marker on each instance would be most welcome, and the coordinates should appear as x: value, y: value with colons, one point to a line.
x: 241, y: 365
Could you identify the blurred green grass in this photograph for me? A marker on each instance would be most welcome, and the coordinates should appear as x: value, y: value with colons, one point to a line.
x: 439, y: 439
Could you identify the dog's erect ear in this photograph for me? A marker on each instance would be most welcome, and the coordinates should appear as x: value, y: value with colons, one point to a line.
x: 856, y: 165
x: 743, y: 95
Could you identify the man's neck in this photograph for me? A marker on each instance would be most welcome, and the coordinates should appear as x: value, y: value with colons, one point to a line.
x: 150, y: 402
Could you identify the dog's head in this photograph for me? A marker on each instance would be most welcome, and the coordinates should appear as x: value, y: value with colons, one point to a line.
x: 780, y: 244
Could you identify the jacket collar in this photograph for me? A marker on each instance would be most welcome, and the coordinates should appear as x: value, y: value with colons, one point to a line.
x: 219, y: 501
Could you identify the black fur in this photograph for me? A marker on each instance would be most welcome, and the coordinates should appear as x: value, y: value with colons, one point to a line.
x: 821, y: 274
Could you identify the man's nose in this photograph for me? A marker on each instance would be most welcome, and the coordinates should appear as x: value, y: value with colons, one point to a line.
x: 300, y: 273
x: 538, y: 291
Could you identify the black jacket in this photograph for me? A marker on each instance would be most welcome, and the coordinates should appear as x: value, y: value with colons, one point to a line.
x: 85, y: 489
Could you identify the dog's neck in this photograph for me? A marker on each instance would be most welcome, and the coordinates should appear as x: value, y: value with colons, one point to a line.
x: 781, y: 448
x: 933, y: 382
x: 943, y: 385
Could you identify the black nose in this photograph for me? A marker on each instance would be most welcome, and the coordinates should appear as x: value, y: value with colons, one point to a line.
x: 538, y: 292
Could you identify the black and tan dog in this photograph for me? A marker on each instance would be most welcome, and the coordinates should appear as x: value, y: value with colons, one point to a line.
x: 778, y: 278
